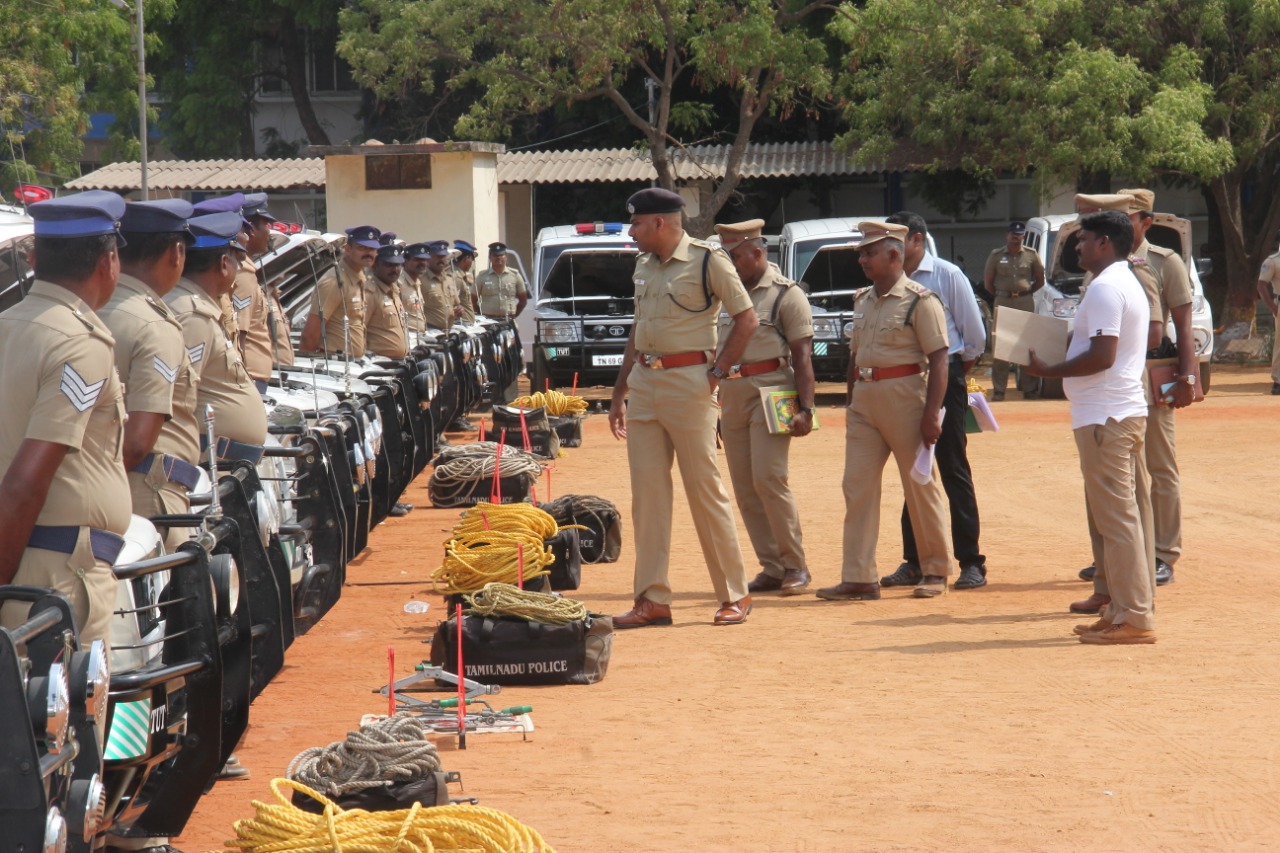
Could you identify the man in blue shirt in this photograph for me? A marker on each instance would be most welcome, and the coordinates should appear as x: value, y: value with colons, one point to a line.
x: 968, y: 339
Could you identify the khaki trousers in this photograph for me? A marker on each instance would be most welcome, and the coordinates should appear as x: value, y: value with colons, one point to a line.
x: 1275, y: 351
x: 758, y: 470
x: 1117, y: 503
x: 1166, y: 490
x: 88, y: 582
x: 154, y: 495
x: 670, y: 413
x: 1027, y: 383
x: 883, y: 418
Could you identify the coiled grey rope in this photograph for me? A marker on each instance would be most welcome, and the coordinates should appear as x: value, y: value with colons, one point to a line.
x: 381, y: 753
x: 459, y: 470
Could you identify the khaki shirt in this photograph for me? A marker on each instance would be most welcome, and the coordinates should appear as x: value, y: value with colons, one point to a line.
x: 881, y: 337
x: 385, y: 332
x: 151, y: 358
x: 1270, y: 273
x: 278, y: 326
x: 1174, y: 283
x: 499, y: 291
x: 250, y: 305
x: 224, y: 384
x: 671, y: 311
x: 340, y: 294
x: 60, y: 385
x: 227, y: 318
x: 783, y: 312
x: 1015, y: 275
x: 437, y: 299
x: 465, y: 283
x: 411, y: 297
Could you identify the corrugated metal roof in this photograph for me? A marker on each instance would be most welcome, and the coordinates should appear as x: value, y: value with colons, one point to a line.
x: 762, y: 160
x: 207, y: 175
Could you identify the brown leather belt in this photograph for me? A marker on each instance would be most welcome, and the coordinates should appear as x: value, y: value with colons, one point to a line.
x: 666, y: 362
x: 1014, y: 293
x: 742, y: 370
x: 875, y: 374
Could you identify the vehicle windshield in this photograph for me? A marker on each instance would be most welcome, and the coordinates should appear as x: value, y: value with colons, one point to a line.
x: 550, y: 254
x: 805, y: 250
x: 591, y: 282
x: 832, y: 277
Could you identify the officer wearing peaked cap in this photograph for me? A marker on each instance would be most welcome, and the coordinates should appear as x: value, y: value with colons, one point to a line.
x: 385, y: 329
x: 1013, y: 275
x: 438, y: 295
x: 253, y: 307
x: 778, y: 354
x: 463, y: 259
x: 64, y: 497
x: 162, y: 435
x: 502, y: 290
x: 223, y: 383
x: 339, y: 298
x: 233, y: 203
x: 895, y: 408
x: 415, y: 263
x: 672, y: 369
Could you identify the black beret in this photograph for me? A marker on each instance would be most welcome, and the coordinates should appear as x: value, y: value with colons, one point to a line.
x: 497, y: 248
x: 654, y: 200
x: 1017, y: 227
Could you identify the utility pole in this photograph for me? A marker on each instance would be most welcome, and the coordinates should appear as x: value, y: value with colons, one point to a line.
x: 140, y: 31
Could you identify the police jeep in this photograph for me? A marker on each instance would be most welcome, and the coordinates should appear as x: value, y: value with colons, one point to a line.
x: 584, y: 303
x: 1055, y: 237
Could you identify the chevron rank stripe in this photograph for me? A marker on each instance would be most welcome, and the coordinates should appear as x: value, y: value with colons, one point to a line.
x: 196, y: 353
x: 130, y: 731
x: 82, y: 394
x: 169, y: 373
x: 241, y: 304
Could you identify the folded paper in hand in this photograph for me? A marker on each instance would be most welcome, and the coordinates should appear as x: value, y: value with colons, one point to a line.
x: 1017, y: 332
x: 922, y: 470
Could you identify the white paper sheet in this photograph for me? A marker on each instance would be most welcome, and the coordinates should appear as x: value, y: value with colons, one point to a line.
x: 1017, y: 332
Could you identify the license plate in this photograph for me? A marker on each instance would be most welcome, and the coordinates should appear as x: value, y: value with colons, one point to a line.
x: 606, y: 360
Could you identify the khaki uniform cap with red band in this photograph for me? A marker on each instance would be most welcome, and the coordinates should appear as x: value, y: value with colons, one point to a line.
x: 734, y: 233
x: 1108, y: 201
x: 874, y: 232
x: 1144, y: 201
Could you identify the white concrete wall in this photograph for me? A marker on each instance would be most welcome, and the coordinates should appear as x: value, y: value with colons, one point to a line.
x: 337, y: 114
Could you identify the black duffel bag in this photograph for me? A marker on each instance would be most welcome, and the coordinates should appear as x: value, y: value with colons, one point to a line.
x: 431, y: 790
x: 568, y: 428
x: 510, y: 651
x: 566, y: 571
x: 601, y: 542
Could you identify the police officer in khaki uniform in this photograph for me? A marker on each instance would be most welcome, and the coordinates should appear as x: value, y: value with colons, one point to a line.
x: 386, y: 331
x: 439, y: 301
x: 1269, y: 292
x: 249, y: 297
x: 339, y: 299
x: 779, y: 354
x: 1012, y: 276
x: 899, y: 330
x: 464, y: 262
x: 502, y: 291
x: 672, y: 370
x: 64, y: 497
x: 162, y: 435
x: 240, y: 420
x: 278, y: 326
x: 415, y: 264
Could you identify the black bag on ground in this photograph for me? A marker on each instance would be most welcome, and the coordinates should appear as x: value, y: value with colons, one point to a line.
x: 601, y: 542
x: 544, y: 444
x: 568, y: 428
x: 509, y: 651
x: 566, y: 571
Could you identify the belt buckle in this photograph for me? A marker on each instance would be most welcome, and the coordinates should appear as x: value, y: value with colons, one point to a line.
x: 654, y: 362
x: 735, y: 372
x: 866, y: 374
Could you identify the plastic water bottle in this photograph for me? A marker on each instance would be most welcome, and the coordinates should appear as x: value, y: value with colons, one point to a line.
x: 416, y: 607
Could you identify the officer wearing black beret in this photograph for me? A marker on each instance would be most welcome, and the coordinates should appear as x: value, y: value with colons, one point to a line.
x: 503, y: 293
x: 672, y: 369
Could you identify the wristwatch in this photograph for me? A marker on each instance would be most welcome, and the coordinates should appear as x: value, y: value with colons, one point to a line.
x: 717, y: 371
x: 808, y: 410
x: 1189, y: 378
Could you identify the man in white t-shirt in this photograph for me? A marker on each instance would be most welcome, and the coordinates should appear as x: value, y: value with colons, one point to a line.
x: 1103, y: 377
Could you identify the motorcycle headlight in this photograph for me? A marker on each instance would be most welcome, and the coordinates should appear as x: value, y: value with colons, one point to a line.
x: 87, y: 807
x: 49, y: 701
x: 90, y: 679
x: 225, y: 575
x: 560, y: 331
x: 55, y: 832
x: 268, y: 513
x: 826, y: 328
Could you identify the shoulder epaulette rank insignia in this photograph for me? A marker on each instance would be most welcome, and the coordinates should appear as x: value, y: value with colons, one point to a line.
x: 919, y: 289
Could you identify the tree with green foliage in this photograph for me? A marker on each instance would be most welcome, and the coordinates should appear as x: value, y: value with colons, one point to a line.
x: 1074, y: 93
x: 211, y: 70
x: 64, y: 59
x: 528, y: 56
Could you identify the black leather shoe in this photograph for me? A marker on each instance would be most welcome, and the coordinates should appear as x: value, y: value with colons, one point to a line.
x: 764, y: 582
x: 1086, y: 574
x: 400, y: 510
x: 850, y: 591
x: 1164, y: 573
x: 795, y: 581
x: 907, y: 574
x: 971, y: 577
x: 1275, y: 389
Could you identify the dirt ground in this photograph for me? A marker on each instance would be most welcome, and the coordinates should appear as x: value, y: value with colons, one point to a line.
x: 974, y: 721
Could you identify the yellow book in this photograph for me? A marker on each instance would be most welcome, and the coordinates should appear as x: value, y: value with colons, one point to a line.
x: 780, y: 407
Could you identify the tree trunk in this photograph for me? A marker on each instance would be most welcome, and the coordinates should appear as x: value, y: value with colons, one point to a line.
x: 294, y: 49
x: 1240, y: 275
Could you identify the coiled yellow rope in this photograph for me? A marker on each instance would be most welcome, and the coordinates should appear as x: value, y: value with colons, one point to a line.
x: 510, y: 518
x: 284, y: 828
x: 556, y: 403
x: 503, y: 599
x: 472, y: 560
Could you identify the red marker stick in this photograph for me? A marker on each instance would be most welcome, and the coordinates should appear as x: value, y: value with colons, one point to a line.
x: 391, y: 681
x: 548, y: 484
x: 462, y: 687
x: 574, y: 391
x: 481, y: 438
x: 524, y: 430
